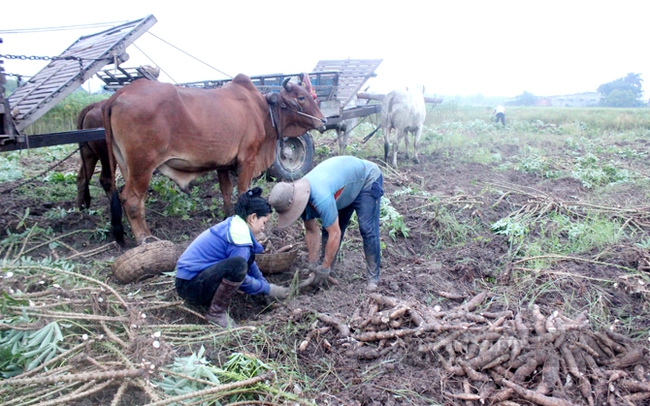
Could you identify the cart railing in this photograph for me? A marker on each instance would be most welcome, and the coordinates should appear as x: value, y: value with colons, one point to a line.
x: 324, y: 83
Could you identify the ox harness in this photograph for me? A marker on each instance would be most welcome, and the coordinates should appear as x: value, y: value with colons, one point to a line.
x: 283, y: 106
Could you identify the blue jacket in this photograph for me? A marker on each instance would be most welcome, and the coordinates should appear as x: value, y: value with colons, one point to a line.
x: 232, y: 237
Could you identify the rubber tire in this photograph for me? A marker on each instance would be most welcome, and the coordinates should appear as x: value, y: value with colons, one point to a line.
x: 289, y: 168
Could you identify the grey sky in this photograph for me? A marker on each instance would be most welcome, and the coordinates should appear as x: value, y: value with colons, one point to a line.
x: 498, y: 48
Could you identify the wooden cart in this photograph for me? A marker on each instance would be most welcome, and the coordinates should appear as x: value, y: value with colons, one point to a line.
x: 337, y: 83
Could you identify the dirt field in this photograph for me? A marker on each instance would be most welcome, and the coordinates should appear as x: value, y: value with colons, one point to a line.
x: 415, y: 341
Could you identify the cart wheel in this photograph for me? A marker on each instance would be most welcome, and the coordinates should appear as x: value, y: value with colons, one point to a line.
x: 294, y: 157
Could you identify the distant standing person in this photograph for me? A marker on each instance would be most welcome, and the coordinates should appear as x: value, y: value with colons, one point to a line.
x: 500, y: 113
x: 222, y: 260
x: 333, y: 191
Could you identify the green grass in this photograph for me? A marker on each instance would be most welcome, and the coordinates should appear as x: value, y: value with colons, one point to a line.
x: 63, y: 116
x: 560, y: 234
x: 10, y: 167
x: 600, y: 118
x: 448, y: 228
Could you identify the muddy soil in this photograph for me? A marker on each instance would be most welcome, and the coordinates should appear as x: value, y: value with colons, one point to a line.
x: 430, y: 270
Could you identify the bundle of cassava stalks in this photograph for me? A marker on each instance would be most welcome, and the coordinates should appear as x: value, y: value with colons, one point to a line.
x: 499, y: 357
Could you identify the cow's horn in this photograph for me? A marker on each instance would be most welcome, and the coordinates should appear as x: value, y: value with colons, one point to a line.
x: 286, y: 84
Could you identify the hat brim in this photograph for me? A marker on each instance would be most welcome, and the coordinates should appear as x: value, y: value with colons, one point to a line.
x: 301, y: 190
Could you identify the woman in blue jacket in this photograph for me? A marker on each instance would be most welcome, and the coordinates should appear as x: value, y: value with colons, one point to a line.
x: 222, y: 259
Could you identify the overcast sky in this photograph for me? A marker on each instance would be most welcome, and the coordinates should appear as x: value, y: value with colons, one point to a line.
x: 493, y: 48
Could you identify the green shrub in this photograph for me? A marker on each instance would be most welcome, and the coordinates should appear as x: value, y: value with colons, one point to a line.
x: 10, y: 169
x: 592, y: 173
x: 178, y: 203
x: 391, y: 220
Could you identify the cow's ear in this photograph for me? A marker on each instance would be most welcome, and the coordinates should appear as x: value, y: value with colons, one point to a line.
x: 287, y: 84
x: 271, y: 98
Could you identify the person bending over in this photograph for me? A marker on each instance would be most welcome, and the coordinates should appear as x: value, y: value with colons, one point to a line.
x: 333, y: 191
x: 500, y: 114
x: 222, y: 259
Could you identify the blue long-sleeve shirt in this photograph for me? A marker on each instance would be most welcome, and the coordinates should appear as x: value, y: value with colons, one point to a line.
x: 232, y: 237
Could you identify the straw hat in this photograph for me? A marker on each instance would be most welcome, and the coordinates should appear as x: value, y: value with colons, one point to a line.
x: 289, y: 200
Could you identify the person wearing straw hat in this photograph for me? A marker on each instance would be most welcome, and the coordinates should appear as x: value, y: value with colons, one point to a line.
x: 332, y: 191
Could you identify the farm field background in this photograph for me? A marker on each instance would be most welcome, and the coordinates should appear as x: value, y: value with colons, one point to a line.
x: 545, y: 218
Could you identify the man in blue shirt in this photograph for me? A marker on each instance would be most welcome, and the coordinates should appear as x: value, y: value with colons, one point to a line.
x: 332, y: 191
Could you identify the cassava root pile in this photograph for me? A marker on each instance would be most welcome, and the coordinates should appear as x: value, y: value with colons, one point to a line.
x: 496, y: 357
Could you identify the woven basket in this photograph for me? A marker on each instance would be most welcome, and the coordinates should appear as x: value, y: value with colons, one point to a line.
x: 145, y: 260
x: 275, y: 263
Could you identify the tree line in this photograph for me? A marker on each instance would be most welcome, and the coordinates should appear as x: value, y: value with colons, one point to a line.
x: 622, y: 92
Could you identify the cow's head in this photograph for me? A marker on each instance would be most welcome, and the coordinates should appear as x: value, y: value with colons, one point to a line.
x: 299, y: 111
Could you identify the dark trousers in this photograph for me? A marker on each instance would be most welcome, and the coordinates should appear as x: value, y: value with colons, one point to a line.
x: 200, y: 290
x: 501, y: 117
x: 366, y: 205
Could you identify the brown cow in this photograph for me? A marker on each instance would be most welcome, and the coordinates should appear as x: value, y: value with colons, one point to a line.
x: 185, y: 132
x: 91, y: 152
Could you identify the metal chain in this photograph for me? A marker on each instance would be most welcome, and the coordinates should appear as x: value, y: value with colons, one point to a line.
x: 26, y: 181
x: 39, y: 58
x: 52, y: 58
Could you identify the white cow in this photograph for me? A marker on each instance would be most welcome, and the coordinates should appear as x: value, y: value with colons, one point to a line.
x: 344, y: 128
x: 403, y: 111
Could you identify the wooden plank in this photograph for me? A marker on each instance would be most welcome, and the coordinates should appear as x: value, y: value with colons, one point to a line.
x: 353, y: 112
x: 353, y: 74
x: 62, y: 76
x: 48, y: 140
x: 380, y: 97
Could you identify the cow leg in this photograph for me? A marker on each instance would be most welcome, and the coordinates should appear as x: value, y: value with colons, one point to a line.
x: 86, y: 170
x: 396, y: 140
x: 132, y: 198
x: 225, y: 184
x: 105, y: 177
x: 244, y: 176
x: 342, y: 137
x: 386, y: 143
x: 406, y: 143
x: 416, y: 139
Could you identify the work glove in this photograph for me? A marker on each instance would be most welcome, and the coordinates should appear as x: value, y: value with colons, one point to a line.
x: 278, y: 292
x: 320, y: 276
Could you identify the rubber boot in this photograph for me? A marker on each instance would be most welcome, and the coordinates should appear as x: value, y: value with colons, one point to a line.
x: 218, y: 310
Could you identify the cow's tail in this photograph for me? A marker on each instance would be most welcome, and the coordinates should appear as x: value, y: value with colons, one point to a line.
x: 86, y: 176
x: 116, y: 218
x: 115, y: 204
